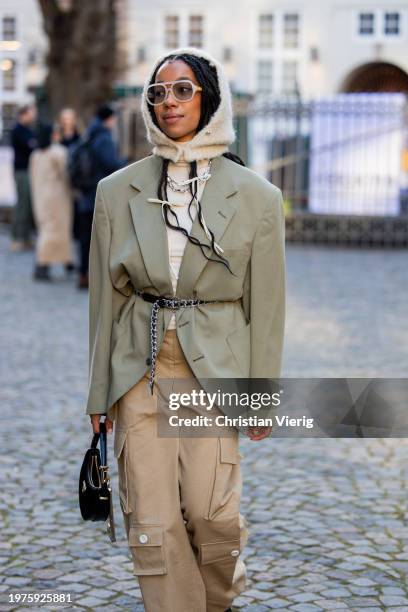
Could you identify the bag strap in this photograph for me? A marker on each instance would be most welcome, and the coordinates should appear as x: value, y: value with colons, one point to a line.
x: 95, y: 440
x: 103, y: 443
x: 101, y: 437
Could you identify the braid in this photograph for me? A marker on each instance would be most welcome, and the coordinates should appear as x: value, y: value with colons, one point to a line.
x: 193, y: 190
x: 162, y: 191
x: 234, y: 158
x: 162, y: 194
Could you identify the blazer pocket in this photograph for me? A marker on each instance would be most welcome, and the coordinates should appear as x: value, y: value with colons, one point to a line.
x: 237, y: 258
x: 239, y: 343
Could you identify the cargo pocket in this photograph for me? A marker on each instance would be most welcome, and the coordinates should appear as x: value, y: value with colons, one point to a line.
x: 120, y: 452
x: 219, y: 551
x: 146, y: 546
x: 223, y: 494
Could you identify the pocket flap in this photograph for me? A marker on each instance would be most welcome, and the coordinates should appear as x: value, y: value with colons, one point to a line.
x: 229, y: 450
x: 120, y: 437
x: 146, y: 535
x: 216, y: 551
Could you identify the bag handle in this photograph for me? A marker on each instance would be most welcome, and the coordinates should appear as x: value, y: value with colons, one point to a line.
x: 95, y: 440
x: 101, y: 438
x: 103, y: 443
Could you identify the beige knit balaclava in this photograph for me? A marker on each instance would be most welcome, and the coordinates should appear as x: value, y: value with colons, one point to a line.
x: 213, y: 139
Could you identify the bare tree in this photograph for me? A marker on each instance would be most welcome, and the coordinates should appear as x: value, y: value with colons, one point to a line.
x: 82, y: 57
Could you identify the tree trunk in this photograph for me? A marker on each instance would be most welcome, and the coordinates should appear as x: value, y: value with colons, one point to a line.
x: 82, y: 53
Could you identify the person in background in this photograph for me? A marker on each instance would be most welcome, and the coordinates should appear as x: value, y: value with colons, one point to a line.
x: 23, y: 142
x: 69, y: 134
x: 68, y: 126
x: 52, y: 203
x: 105, y: 161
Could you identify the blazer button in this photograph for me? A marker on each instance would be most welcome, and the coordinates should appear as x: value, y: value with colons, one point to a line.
x: 148, y: 361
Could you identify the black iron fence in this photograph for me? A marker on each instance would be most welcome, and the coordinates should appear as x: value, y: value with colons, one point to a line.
x: 341, y: 162
x: 342, y: 155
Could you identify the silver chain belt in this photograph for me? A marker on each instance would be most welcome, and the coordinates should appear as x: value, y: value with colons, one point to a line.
x: 158, y: 302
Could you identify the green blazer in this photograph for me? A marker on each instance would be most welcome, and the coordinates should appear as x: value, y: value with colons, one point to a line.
x: 242, y: 338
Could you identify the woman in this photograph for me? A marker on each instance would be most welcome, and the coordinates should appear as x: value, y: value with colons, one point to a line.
x: 188, y: 222
x: 68, y: 126
x: 52, y: 204
x: 68, y: 135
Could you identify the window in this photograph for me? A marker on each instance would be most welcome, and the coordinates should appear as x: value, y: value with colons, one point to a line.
x: 366, y: 24
x: 289, y: 77
x: 391, y: 24
x: 196, y: 31
x: 8, y: 67
x: 265, y: 76
x: 9, y: 28
x: 266, y: 38
x: 291, y: 30
x: 171, y: 31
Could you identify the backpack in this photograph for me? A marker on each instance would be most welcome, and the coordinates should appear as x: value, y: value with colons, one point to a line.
x: 81, y: 165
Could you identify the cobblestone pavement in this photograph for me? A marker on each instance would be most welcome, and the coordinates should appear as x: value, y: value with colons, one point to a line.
x: 328, y: 518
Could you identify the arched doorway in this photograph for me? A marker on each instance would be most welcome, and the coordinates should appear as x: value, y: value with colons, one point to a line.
x: 376, y: 77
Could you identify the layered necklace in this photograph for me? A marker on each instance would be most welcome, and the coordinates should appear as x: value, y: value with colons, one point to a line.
x: 183, y: 186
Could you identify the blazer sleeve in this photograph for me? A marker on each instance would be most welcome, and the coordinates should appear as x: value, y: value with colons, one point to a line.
x: 104, y: 301
x: 264, y: 292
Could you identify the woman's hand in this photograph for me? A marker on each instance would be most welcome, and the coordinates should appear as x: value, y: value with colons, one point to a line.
x: 95, y: 420
x: 258, y: 433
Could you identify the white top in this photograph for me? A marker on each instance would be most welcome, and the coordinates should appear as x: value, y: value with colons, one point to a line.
x: 177, y: 240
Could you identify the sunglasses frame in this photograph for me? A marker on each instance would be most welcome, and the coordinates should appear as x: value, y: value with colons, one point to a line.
x: 172, y: 83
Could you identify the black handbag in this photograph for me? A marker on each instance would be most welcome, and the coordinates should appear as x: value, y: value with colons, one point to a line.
x: 95, y: 493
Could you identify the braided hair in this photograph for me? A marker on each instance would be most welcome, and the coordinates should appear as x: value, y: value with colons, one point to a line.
x: 206, y: 76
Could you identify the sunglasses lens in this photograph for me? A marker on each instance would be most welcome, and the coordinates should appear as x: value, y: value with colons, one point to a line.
x: 156, y: 94
x: 183, y: 90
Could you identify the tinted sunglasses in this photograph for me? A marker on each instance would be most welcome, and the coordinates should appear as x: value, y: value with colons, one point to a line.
x: 183, y: 91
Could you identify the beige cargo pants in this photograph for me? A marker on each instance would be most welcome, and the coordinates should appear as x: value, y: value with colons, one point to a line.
x: 180, y: 498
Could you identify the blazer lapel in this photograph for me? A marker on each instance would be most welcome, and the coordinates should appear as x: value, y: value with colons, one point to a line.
x: 150, y: 228
x: 218, y: 209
